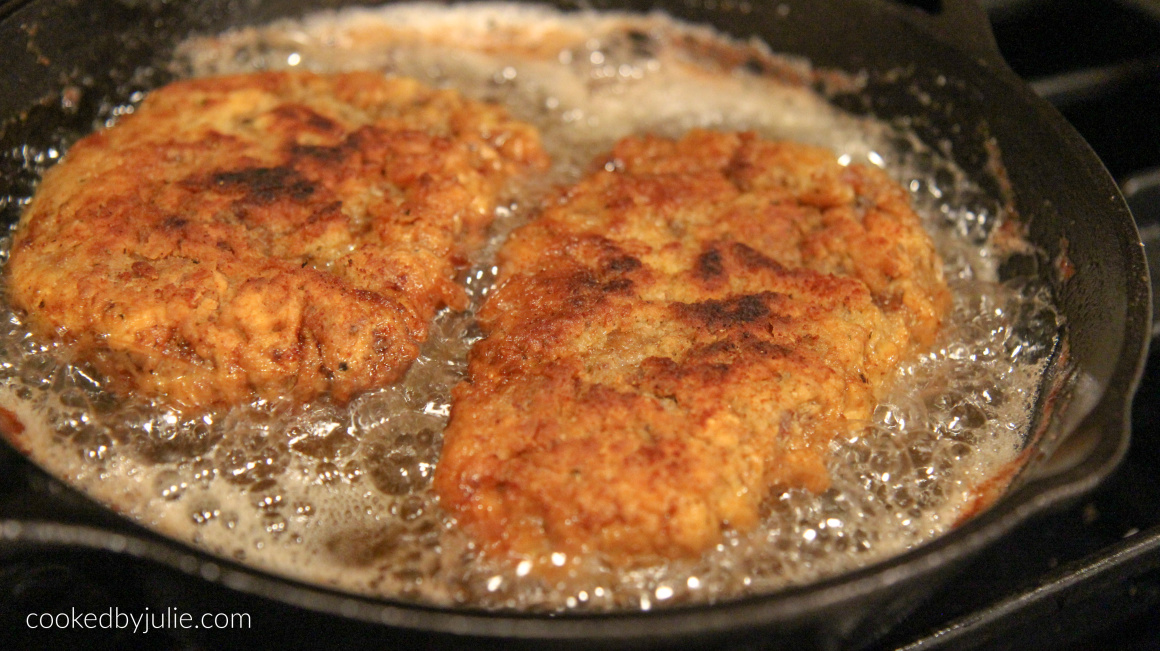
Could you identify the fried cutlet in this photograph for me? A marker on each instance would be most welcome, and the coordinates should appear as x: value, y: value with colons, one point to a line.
x: 678, y: 336
x: 273, y: 234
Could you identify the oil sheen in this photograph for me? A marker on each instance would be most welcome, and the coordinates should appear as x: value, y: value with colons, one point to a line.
x: 341, y: 497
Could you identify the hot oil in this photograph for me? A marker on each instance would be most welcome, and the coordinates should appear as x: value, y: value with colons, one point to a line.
x: 341, y: 497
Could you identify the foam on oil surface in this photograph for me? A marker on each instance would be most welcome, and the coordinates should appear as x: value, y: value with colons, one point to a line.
x: 340, y: 497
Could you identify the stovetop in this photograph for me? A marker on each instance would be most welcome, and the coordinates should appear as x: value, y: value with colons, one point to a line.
x: 1085, y: 577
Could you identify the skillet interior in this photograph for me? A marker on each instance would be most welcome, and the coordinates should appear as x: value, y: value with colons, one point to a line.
x: 1070, y: 206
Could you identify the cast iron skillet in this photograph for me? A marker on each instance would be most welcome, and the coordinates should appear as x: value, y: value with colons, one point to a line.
x: 940, y: 70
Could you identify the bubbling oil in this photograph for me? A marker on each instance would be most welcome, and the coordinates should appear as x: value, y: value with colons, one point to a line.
x: 341, y: 496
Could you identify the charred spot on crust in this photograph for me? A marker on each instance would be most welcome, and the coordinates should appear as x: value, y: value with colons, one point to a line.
x: 174, y: 223
x: 642, y: 43
x: 265, y: 184
x: 320, y: 153
x: 723, y: 347
x: 710, y: 265
x: 739, y: 347
x: 768, y: 350
x: 754, y: 259
x: 588, y: 288
x: 754, y: 65
x: 707, y: 371
x: 304, y: 115
x: 617, y: 285
x: 332, y: 208
x: 736, y: 311
x: 662, y: 377
x: 623, y: 264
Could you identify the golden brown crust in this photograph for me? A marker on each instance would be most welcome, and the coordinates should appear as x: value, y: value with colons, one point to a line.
x: 680, y: 333
x: 270, y: 234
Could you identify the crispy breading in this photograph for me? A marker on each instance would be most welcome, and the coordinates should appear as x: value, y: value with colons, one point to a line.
x: 273, y: 234
x: 677, y: 336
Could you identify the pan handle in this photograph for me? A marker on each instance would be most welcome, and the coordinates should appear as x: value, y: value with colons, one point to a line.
x: 963, y: 25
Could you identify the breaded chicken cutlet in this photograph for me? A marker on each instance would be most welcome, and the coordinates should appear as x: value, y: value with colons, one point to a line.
x: 262, y: 235
x: 677, y: 336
